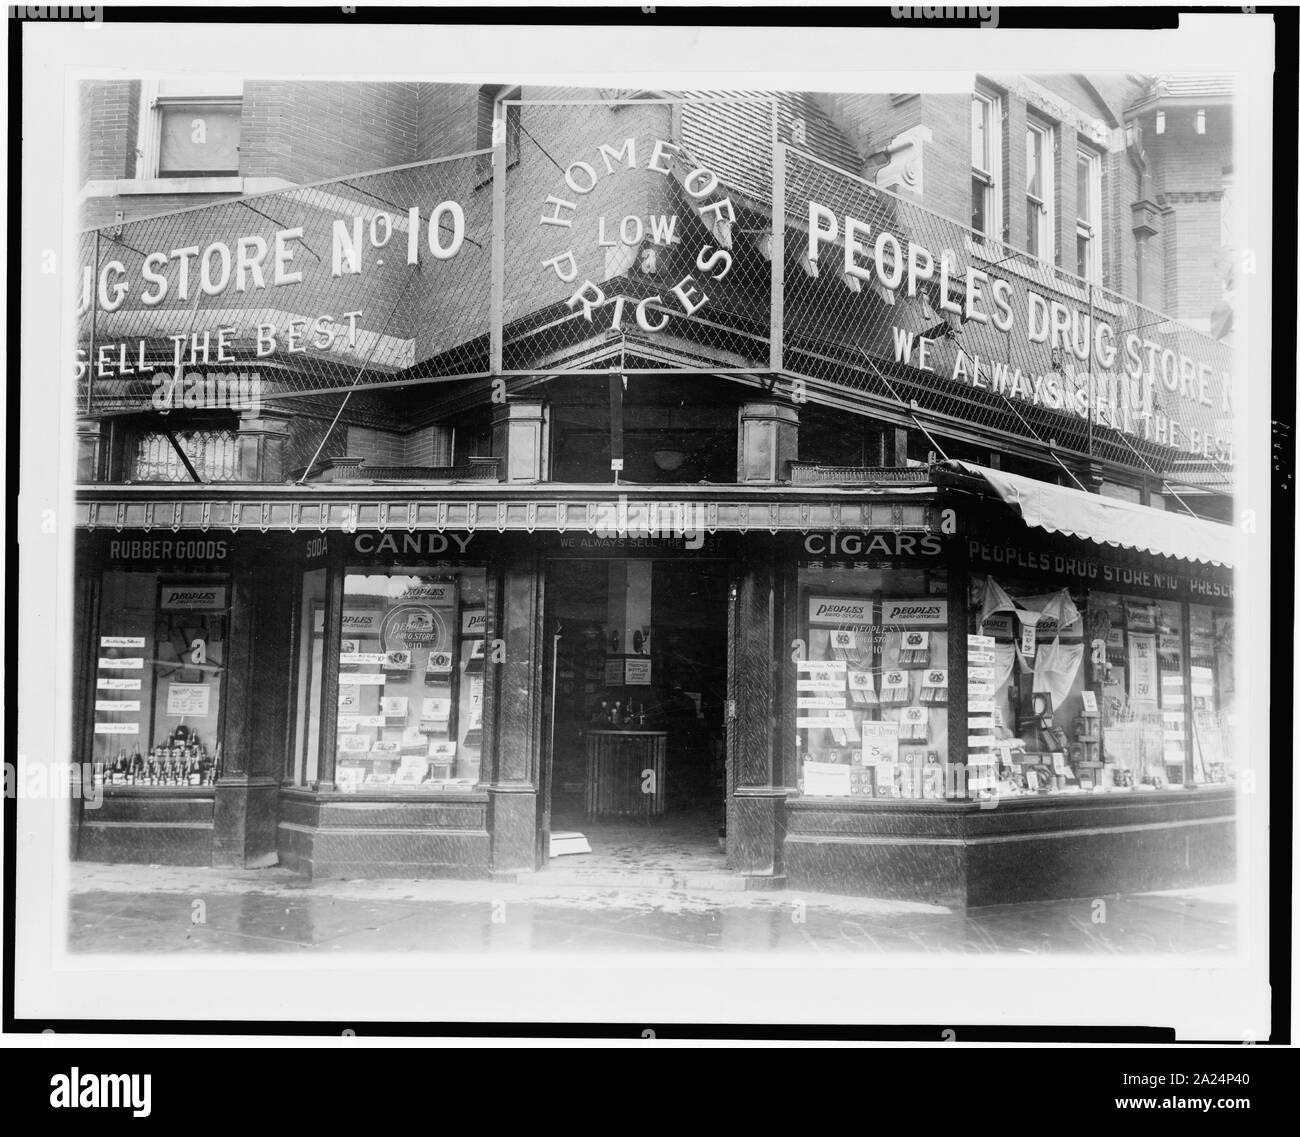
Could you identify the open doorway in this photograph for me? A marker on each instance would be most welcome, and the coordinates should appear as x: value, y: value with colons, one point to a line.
x: 637, y: 679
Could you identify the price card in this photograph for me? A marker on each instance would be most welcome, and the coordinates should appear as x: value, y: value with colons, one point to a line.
x: 121, y: 641
x: 362, y: 720
x: 981, y: 657
x: 980, y: 690
x: 361, y: 679
x: 188, y: 699
x: 826, y: 779
x: 111, y: 683
x: 117, y: 728
x: 879, y: 742
x: 984, y: 723
x: 371, y: 658
x: 1090, y: 701
x: 130, y: 664
x: 980, y: 674
x: 826, y: 720
x: 117, y: 704
x: 980, y: 641
x: 812, y: 703
x: 820, y: 665
x: 979, y: 706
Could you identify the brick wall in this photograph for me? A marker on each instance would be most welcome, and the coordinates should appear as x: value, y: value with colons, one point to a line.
x: 307, y: 132
x: 109, y: 125
x: 377, y: 447
x: 446, y: 119
x: 429, y: 446
x: 1188, y: 177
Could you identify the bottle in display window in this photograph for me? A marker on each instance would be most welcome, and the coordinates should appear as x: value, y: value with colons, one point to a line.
x: 158, y: 683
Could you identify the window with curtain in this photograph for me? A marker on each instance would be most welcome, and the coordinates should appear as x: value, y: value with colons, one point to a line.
x: 1039, y: 148
x: 985, y: 161
x: 1088, y: 216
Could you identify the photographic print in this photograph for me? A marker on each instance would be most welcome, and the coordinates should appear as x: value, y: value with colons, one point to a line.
x: 516, y: 522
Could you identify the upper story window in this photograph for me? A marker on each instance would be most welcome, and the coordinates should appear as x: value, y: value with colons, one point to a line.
x: 189, y: 128
x: 1088, y: 222
x: 1039, y: 191
x: 985, y: 164
x: 495, y: 116
x: 214, y: 454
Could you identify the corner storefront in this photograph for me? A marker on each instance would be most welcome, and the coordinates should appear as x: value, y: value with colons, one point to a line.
x: 903, y: 676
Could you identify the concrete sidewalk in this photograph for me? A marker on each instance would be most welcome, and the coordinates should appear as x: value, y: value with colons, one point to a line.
x: 152, y: 909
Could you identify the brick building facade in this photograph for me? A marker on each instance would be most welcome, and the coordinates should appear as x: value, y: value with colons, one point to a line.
x: 600, y: 328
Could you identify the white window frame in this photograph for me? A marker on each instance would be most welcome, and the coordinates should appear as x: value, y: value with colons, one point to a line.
x: 1091, y: 230
x: 155, y: 95
x: 991, y: 177
x: 1044, y: 206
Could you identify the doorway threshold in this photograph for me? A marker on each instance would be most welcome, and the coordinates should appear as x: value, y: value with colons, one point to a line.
x: 680, y: 850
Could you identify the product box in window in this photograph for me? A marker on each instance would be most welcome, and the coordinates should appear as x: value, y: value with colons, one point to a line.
x: 437, y: 668
x: 887, y: 782
x: 393, y: 708
x: 397, y: 661
x: 354, y: 744
x: 862, y: 783
x: 348, y: 779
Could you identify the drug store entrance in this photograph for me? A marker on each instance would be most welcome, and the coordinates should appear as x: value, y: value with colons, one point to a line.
x: 635, y: 777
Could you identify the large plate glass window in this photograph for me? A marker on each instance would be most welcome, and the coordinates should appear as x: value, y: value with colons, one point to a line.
x: 872, y: 688
x: 159, y: 678
x: 411, y: 662
x: 1034, y: 669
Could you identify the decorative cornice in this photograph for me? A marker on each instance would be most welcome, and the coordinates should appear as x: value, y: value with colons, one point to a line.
x: 1184, y: 197
x: 609, y: 511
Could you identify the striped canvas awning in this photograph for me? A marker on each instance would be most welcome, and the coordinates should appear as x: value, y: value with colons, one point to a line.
x: 1108, y: 521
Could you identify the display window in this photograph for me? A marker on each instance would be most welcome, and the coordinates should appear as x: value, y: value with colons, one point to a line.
x: 159, y: 679
x: 410, y: 657
x: 1043, y: 722
x: 1212, y: 694
x: 872, y: 682
x: 1103, y: 691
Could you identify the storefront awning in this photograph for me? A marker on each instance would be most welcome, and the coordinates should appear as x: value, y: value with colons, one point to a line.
x: 1108, y: 521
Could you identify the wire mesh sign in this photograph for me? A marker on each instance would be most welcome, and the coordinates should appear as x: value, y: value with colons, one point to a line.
x: 900, y: 303
x: 639, y: 234
x: 625, y: 224
x: 370, y: 279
